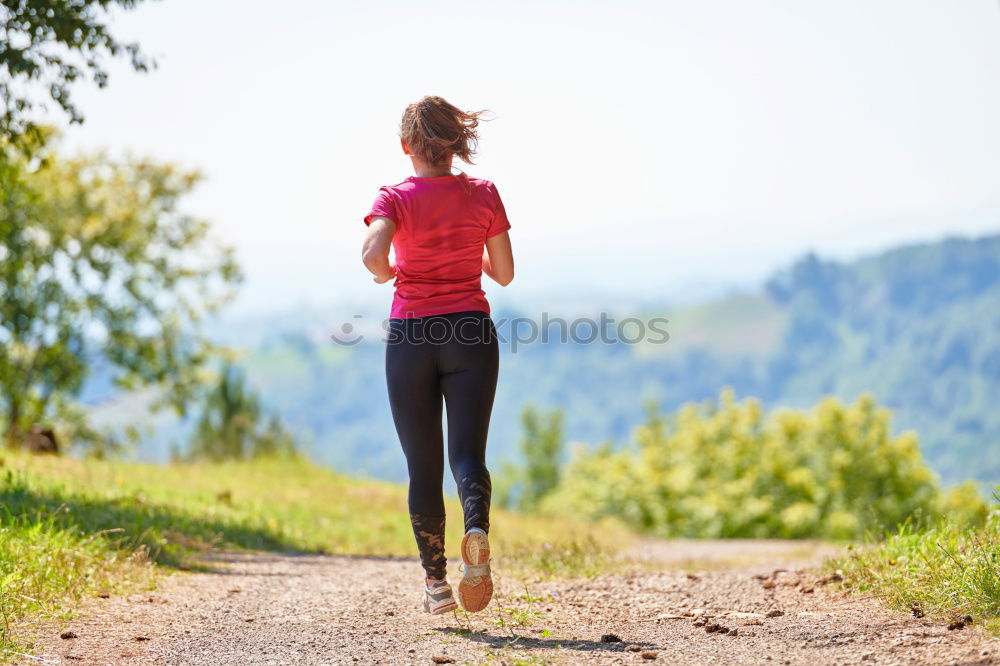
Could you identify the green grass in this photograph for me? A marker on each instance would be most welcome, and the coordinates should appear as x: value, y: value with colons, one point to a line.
x: 944, y: 572
x: 44, y: 565
x: 70, y: 529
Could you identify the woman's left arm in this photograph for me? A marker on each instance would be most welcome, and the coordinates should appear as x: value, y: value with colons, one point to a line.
x: 375, y: 251
x: 498, y: 259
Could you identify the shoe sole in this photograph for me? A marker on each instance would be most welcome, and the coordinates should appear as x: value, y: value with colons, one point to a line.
x: 475, y: 592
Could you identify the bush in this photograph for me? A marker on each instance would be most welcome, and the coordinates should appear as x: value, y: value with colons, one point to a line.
x: 728, y: 470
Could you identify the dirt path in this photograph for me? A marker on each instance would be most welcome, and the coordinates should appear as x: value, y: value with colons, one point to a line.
x: 296, y: 609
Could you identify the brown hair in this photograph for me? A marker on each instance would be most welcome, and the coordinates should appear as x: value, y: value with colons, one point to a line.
x: 435, y: 129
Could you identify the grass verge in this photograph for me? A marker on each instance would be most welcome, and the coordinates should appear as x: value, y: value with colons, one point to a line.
x: 70, y: 529
x: 944, y: 572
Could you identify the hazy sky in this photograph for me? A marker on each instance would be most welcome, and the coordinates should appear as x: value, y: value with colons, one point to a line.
x: 652, y: 147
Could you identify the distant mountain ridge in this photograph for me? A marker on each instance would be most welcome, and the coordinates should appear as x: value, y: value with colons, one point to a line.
x: 918, y: 326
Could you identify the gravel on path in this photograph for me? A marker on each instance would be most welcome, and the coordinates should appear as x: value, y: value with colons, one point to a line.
x: 272, y: 608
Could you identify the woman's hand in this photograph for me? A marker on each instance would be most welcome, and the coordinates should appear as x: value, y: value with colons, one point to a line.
x: 388, y: 275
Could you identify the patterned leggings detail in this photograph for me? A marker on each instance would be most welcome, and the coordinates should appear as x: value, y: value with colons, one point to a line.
x: 449, y: 361
x: 429, y: 532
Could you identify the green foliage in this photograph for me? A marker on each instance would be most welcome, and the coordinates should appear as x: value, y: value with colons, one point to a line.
x: 944, y: 571
x: 232, y: 425
x: 728, y: 470
x: 541, y: 448
x: 49, y: 45
x: 96, y: 261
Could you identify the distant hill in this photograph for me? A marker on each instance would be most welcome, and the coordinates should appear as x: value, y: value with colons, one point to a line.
x: 918, y: 326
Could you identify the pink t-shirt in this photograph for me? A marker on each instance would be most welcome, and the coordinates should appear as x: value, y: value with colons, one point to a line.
x: 442, y: 224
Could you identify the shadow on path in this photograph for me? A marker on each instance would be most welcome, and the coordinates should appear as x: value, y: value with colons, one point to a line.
x: 529, y: 643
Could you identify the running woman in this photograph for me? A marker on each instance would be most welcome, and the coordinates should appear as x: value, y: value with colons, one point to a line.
x: 446, y: 231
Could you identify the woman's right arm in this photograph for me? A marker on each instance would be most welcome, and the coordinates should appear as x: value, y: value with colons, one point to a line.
x: 375, y: 251
x: 498, y: 259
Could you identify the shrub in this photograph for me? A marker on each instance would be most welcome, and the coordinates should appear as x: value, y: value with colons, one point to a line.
x: 726, y: 469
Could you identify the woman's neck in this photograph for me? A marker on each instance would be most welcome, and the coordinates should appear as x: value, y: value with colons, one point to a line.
x: 424, y: 170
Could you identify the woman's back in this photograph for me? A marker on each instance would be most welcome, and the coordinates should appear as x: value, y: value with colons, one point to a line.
x: 442, y: 224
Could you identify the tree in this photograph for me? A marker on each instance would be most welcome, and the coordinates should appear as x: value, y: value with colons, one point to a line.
x: 96, y: 261
x: 50, y: 45
x: 541, y: 449
x: 231, y: 425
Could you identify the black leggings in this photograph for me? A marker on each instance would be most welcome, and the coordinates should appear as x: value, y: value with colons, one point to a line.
x: 456, y: 357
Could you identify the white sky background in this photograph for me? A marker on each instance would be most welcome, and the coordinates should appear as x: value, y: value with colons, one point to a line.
x: 640, y: 147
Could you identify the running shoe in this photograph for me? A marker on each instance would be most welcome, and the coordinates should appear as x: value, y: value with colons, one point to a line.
x: 438, y: 598
x: 476, y: 588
